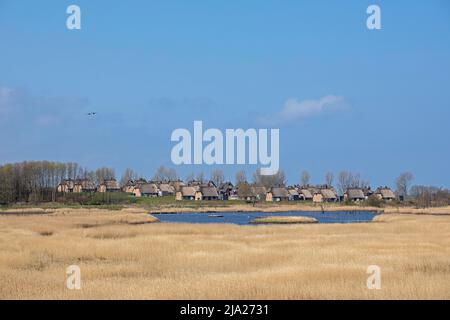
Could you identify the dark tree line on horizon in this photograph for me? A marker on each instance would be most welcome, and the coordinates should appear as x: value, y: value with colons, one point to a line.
x: 37, y: 180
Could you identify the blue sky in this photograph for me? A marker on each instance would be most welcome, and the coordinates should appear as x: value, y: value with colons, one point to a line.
x: 149, y: 67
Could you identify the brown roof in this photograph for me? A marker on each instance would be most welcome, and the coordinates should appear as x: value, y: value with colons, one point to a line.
x: 313, y: 190
x: 111, y: 184
x: 86, y: 184
x: 386, y: 193
x: 148, y: 188
x: 355, y: 193
x: 188, y: 191
x: 165, y: 187
x: 208, y: 191
x: 293, y: 192
x: 328, y: 193
x: 279, y: 192
x: 306, y: 193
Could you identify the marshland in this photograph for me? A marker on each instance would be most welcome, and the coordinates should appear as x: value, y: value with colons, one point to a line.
x: 127, y: 254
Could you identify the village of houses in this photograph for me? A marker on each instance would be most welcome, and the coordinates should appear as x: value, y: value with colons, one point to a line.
x: 198, y: 191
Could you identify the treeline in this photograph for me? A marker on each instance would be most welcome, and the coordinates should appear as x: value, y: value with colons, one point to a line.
x: 37, y: 180
x: 429, y: 196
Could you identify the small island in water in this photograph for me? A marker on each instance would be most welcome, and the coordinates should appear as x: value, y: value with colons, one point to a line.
x: 283, y: 220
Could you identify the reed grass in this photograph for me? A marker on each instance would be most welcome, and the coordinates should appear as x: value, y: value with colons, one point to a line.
x: 120, y: 259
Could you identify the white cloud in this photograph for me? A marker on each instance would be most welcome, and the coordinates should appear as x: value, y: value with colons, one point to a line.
x: 294, y: 109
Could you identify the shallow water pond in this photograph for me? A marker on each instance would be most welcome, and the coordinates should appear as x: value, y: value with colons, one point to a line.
x: 244, y: 218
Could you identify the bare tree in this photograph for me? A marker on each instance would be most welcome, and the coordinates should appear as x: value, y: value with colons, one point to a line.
x: 329, y: 177
x: 163, y: 174
x: 403, y: 182
x: 90, y: 175
x: 72, y: 170
x: 364, y: 184
x: 83, y: 173
x: 344, y: 181
x: 304, y: 178
x: 190, y: 177
x: 428, y: 196
x: 200, y: 177
x: 278, y: 179
x: 240, y: 177
x: 347, y: 179
x: 355, y: 180
x: 217, y: 177
x: 104, y: 173
x: 244, y: 190
x: 127, y: 175
x: 160, y: 174
x: 171, y: 174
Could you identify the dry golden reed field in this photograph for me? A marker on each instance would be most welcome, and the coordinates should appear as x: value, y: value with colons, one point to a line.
x: 123, y: 255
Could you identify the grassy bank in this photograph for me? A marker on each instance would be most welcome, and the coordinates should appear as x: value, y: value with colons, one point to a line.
x: 119, y: 201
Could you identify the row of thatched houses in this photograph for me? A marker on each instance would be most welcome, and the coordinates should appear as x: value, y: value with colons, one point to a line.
x: 86, y: 185
x: 197, y: 191
x: 138, y: 188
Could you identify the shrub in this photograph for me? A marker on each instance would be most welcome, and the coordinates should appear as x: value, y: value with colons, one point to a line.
x: 374, y: 202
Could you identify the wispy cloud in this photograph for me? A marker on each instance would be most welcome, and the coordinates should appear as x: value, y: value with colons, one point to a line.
x: 295, y: 110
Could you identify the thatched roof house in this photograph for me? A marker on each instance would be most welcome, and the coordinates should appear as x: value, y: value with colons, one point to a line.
x: 129, y: 186
x: 226, y: 187
x: 368, y: 192
x: 186, y: 193
x: 193, y: 183
x: 209, y: 193
x: 305, y: 194
x: 133, y: 184
x: 166, y: 189
x: 354, y: 194
x: 325, y: 195
x: 385, y: 193
x: 140, y: 181
x: 277, y: 194
x: 225, y: 190
x: 84, y: 185
x: 293, y: 194
x: 146, y: 190
x: 177, y: 185
x: 110, y: 185
x: 65, y: 186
